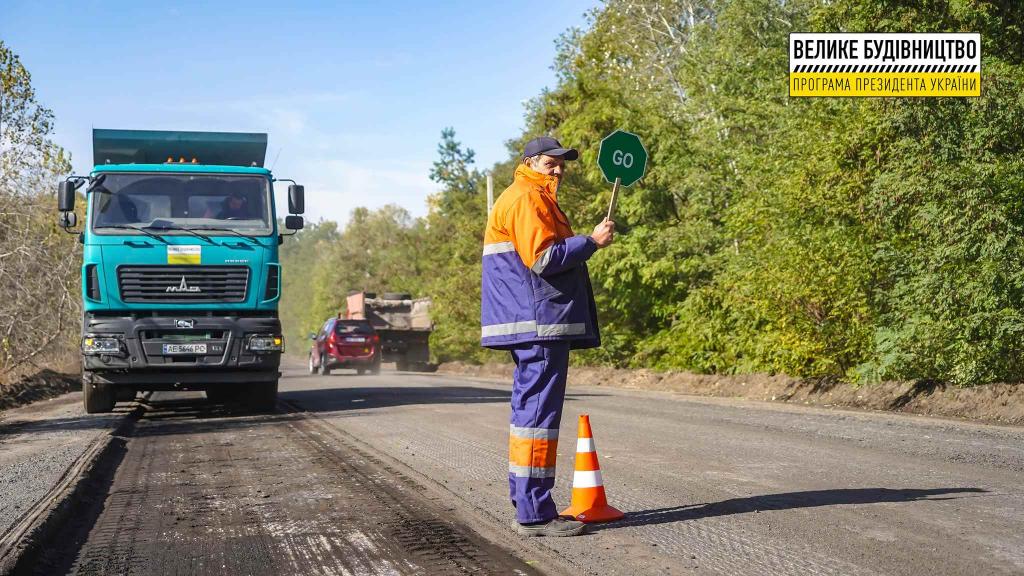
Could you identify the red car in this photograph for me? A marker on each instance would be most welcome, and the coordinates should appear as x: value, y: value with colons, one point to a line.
x: 345, y: 344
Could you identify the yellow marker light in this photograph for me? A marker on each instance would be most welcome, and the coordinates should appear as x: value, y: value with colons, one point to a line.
x: 277, y: 341
x: 88, y: 341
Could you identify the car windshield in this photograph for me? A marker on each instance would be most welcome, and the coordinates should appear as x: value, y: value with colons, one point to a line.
x: 194, y: 201
x: 343, y: 328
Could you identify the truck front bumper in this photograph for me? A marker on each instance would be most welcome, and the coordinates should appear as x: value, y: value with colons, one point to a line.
x: 143, y: 360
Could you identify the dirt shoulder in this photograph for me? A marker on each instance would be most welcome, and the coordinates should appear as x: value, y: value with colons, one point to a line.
x: 1002, y: 403
x: 42, y: 385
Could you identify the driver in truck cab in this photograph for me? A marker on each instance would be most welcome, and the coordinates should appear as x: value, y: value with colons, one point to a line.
x: 234, y: 206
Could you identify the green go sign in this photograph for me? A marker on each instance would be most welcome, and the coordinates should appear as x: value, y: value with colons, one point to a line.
x: 622, y: 157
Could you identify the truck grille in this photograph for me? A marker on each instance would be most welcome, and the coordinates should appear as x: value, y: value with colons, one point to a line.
x: 183, y: 283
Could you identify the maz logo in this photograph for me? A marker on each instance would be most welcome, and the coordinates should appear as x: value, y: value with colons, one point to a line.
x: 183, y: 287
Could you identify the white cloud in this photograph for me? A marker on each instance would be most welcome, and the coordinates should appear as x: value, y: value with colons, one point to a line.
x: 334, y: 187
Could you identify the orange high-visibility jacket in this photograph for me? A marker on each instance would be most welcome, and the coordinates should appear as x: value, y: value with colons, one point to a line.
x: 535, y: 283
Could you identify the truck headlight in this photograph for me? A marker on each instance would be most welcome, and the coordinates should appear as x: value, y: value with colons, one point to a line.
x: 101, y: 345
x: 265, y: 344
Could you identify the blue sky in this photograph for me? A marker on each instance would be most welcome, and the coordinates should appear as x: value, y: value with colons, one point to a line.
x: 353, y: 95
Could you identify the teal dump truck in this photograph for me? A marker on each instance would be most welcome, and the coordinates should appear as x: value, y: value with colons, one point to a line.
x: 180, y: 272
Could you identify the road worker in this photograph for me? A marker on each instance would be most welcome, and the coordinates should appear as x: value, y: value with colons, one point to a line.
x: 537, y: 303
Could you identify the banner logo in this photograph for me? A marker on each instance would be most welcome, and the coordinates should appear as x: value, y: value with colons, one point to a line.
x: 873, y: 64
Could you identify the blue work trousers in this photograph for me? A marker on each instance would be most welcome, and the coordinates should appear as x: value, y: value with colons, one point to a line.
x: 538, y: 390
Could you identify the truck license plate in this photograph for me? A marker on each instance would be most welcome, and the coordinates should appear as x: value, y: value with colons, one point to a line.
x: 184, y: 348
x: 356, y: 339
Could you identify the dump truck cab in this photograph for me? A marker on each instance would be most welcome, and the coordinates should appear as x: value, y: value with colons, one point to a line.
x: 180, y: 272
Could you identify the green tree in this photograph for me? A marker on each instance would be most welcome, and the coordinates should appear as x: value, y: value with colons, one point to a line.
x: 39, y: 264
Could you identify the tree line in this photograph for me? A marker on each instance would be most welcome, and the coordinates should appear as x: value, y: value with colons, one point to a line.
x: 861, y: 239
x: 40, y: 300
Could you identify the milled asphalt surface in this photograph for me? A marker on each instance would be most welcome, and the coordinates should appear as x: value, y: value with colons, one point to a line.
x: 38, y: 443
x: 716, y: 486
x: 710, y: 486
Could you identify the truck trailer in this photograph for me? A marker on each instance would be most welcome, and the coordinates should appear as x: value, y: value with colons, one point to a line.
x: 402, y: 322
x: 180, y: 272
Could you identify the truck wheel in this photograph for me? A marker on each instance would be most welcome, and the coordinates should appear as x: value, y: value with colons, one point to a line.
x: 360, y: 371
x: 324, y: 370
x: 402, y: 365
x: 263, y: 396
x: 312, y: 367
x: 375, y: 369
x: 98, y: 398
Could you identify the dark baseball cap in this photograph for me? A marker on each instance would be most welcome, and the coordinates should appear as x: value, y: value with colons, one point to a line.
x: 549, y: 146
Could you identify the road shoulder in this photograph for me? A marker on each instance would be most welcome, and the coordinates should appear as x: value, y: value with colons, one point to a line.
x: 48, y: 450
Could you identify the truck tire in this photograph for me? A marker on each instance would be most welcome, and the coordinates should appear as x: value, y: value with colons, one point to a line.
x: 312, y: 367
x: 375, y: 368
x: 360, y: 371
x: 98, y: 398
x: 324, y: 370
x: 262, y: 397
x: 402, y: 365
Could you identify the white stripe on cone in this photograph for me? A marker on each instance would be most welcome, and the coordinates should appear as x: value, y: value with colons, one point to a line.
x: 585, y: 445
x: 586, y: 479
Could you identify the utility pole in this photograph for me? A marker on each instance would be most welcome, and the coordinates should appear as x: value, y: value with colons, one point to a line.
x: 491, y: 192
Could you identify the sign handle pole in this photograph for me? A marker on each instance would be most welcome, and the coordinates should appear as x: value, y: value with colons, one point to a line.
x: 615, y: 196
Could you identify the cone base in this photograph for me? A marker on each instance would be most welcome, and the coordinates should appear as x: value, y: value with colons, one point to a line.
x: 595, y: 514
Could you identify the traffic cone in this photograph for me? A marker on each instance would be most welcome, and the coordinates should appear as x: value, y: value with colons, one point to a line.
x: 588, y: 500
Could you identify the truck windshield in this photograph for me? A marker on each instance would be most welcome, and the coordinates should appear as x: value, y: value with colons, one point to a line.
x: 193, y: 201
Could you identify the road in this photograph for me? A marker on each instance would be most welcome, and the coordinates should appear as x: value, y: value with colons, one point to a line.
x: 405, y: 474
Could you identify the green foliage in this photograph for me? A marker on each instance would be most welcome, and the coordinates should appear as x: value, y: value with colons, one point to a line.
x: 39, y: 263
x: 865, y: 239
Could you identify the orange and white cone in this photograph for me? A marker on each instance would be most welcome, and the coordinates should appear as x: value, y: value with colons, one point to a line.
x: 588, y: 500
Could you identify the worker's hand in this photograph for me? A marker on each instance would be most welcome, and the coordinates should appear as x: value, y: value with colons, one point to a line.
x: 604, y: 233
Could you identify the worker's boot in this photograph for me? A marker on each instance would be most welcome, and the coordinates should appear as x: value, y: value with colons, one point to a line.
x: 560, y: 526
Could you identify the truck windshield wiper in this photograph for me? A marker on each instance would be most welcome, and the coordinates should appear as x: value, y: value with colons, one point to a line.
x: 183, y: 229
x: 136, y: 228
x: 233, y: 231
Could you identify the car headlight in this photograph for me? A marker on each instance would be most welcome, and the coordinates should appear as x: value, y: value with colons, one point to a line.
x: 101, y: 345
x: 265, y: 344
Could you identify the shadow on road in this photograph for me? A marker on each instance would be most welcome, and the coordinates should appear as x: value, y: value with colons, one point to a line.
x: 785, y: 501
x: 362, y: 398
x: 64, y: 423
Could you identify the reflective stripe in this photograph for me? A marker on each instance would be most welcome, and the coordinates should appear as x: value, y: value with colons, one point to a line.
x: 561, y: 329
x: 498, y: 248
x: 508, y: 329
x: 542, y: 261
x: 531, y: 471
x: 532, y: 326
x: 585, y: 445
x: 582, y: 479
x: 544, y: 433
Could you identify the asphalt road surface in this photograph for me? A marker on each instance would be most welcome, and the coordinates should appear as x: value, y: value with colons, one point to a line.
x: 406, y: 474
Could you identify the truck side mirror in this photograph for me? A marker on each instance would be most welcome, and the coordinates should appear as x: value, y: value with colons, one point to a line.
x: 296, y: 200
x: 312, y: 335
x: 66, y: 196
x: 67, y: 220
x: 294, y: 222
